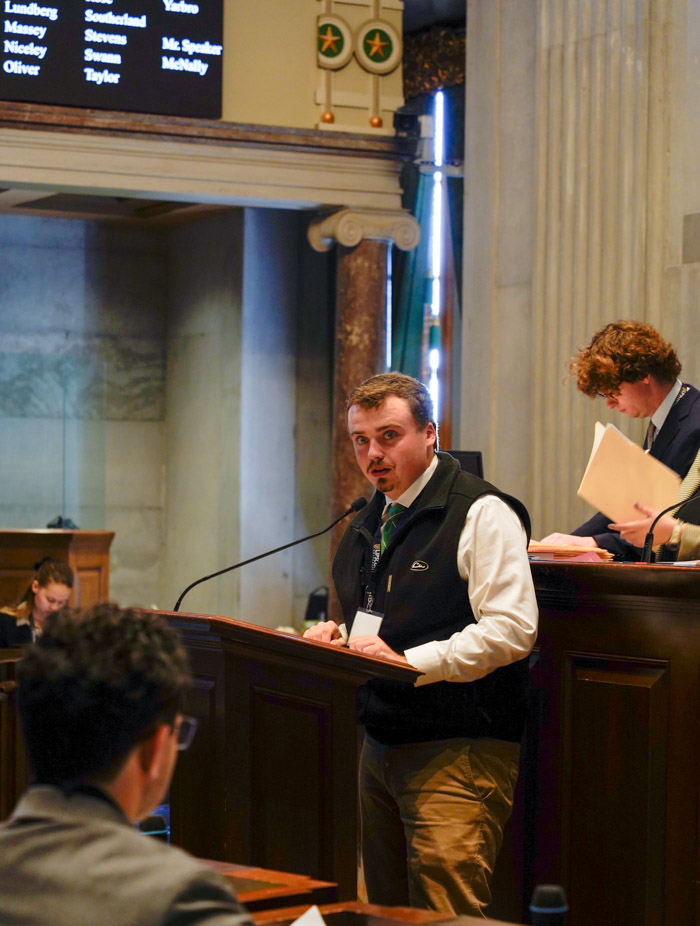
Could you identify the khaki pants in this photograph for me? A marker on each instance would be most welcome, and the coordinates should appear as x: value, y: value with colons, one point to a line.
x: 432, y: 821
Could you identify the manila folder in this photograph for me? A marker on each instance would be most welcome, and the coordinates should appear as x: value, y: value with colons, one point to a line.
x: 620, y: 473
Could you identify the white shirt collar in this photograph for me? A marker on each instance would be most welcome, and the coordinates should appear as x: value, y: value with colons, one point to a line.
x: 662, y: 411
x: 408, y: 497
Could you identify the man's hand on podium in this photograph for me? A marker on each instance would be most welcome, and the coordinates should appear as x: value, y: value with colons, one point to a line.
x: 326, y: 632
x: 375, y: 646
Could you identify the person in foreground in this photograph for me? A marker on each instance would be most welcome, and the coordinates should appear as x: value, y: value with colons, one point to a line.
x: 636, y: 371
x: 674, y: 538
x: 100, y: 698
x: 48, y: 591
x: 443, y: 555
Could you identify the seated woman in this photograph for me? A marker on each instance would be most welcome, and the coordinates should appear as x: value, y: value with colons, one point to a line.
x: 674, y: 538
x: 48, y: 591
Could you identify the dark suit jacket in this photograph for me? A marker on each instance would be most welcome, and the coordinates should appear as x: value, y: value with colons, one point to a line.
x: 676, y: 445
x: 76, y: 861
x: 12, y: 633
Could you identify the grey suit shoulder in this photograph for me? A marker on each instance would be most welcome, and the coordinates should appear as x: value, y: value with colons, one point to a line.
x: 74, y: 861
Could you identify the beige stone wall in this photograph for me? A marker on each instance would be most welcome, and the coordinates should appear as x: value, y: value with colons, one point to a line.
x: 583, y: 185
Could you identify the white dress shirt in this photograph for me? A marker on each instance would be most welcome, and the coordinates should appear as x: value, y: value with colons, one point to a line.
x: 662, y: 411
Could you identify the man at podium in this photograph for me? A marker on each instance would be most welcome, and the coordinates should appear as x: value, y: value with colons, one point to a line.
x: 438, y: 561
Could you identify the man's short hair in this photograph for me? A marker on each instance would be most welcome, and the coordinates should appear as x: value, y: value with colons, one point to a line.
x: 373, y: 391
x: 623, y: 352
x: 94, y: 684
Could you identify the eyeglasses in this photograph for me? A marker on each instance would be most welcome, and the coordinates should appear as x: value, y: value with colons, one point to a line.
x: 607, y: 395
x: 186, y: 731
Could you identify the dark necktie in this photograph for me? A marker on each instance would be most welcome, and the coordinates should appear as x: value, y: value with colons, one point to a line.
x: 394, y: 512
x: 650, y: 435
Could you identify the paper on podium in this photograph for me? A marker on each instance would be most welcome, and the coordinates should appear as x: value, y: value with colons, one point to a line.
x: 619, y: 473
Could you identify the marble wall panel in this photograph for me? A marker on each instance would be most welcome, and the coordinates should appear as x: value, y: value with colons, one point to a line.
x: 193, y: 472
x: 49, y: 375
x: 203, y: 440
x: 31, y: 462
x: 125, y: 292
x: 135, y: 556
x: 41, y: 289
x: 26, y: 232
x: 134, y: 464
x: 84, y: 455
x: 73, y: 276
x: 26, y: 517
x: 200, y: 282
x: 268, y: 387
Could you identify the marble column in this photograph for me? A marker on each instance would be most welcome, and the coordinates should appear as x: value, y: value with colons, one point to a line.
x: 362, y: 277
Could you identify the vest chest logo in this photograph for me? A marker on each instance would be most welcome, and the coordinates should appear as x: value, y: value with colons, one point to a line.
x: 419, y: 566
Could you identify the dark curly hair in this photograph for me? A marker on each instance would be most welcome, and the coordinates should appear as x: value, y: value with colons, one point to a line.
x: 95, y: 684
x: 623, y: 352
x: 373, y: 391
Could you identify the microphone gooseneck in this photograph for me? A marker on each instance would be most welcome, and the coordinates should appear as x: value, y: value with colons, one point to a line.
x: 649, y: 539
x: 357, y: 505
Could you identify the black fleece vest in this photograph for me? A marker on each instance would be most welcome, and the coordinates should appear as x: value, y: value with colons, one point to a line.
x: 417, y: 586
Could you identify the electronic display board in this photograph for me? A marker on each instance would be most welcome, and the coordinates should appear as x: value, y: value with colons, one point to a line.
x: 151, y: 56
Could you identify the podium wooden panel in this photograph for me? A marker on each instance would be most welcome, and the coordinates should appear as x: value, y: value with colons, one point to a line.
x: 271, y: 778
x: 13, y: 764
x: 614, y: 806
x: 86, y: 552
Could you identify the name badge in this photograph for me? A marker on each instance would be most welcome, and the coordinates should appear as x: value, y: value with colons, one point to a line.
x: 366, y: 623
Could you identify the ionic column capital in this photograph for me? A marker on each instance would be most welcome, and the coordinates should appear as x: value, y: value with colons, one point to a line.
x: 350, y: 226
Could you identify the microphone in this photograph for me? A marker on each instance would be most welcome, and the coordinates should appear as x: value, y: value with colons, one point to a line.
x: 548, y: 905
x: 649, y: 539
x: 357, y: 505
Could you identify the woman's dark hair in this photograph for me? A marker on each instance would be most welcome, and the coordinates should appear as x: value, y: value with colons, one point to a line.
x: 45, y: 571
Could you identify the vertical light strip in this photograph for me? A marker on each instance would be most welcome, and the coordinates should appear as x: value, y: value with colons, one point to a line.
x: 389, y: 305
x: 435, y: 263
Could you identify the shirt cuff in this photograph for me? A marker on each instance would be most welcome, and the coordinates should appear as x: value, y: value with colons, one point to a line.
x: 425, y: 657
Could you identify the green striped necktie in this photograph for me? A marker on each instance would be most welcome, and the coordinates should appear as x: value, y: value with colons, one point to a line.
x: 393, y: 514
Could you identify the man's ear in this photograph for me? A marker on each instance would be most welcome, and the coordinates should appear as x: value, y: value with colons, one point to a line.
x: 431, y: 432
x: 154, y: 751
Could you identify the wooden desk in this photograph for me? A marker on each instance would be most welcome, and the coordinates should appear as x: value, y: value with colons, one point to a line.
x: 263, y: 889
x: 363, y: 914
x: 613, y: 808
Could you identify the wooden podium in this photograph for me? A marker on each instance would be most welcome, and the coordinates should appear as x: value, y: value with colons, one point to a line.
x: 614, y: 803
x: 271, y: 777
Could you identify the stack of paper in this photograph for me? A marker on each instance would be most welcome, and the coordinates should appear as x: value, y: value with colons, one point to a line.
x: 538, y: 550
x: 620, y: 473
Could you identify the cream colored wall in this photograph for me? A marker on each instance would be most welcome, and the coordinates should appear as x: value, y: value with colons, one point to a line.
x: 270, y: 71
x: 582, y: 206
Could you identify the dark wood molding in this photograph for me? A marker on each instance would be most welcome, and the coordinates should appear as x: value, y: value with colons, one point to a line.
x: 199, y: 131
